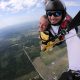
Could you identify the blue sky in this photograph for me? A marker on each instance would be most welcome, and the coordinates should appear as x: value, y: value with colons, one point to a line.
x: 19, y: 11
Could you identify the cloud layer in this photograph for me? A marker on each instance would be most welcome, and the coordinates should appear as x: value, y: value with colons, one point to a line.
x: 18, y: 5
x: 72, y: 3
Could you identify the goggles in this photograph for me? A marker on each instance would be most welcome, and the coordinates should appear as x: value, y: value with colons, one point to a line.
x: 54, y: 13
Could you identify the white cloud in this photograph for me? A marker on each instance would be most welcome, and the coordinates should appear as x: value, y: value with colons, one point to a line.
x: 72, y: 3
x: 17, y: 5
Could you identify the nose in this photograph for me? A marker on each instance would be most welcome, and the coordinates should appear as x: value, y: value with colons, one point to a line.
x: 52, y: 16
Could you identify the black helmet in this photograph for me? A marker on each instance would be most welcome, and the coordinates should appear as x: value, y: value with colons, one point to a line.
x: 53, y: 5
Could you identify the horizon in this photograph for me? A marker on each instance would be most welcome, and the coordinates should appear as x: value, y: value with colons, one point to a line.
x: 19, y: 25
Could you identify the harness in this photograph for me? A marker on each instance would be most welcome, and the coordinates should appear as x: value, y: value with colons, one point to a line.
x: 50, y: 40
x: 64, y: 27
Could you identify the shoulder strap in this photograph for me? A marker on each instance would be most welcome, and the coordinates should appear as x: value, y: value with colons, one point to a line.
x: 64, y: 25
x: 66, y: 21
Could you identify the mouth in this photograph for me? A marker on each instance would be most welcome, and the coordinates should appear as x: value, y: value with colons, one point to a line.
x: 54, y: 21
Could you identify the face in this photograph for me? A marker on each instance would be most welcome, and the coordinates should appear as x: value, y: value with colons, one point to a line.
x: 54, y: 16
x: 43, y: 24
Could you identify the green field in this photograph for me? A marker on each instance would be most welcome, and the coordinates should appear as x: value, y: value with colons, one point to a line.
x: 14, y: 64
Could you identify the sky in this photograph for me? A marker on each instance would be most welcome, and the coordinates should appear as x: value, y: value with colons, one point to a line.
x: 20, y: 11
